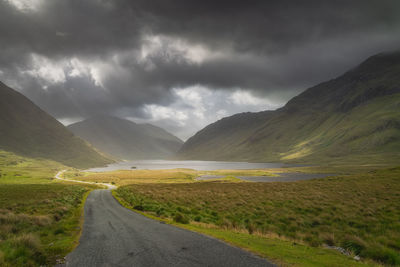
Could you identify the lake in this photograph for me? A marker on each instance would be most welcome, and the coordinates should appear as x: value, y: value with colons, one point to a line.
x: 211, y: 166
x: 186, y: 164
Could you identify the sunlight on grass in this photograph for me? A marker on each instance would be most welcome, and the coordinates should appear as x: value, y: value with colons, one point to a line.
x: 125, y: 177
x: 360, y: 212
x: 40, y: 218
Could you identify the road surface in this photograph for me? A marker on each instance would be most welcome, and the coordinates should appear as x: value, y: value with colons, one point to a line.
x: 115, y: 236
x: 58, y: 177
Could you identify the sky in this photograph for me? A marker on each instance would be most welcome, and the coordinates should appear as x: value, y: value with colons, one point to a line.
x: 182, y: 64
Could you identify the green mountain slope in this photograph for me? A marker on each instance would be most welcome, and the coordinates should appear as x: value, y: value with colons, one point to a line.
x: 353, y: 118
x: 27, y: 130
x: 125, y: 139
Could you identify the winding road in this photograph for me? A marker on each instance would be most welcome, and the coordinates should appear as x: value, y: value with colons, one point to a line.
x: 58, y: 177
x: 116, y: 236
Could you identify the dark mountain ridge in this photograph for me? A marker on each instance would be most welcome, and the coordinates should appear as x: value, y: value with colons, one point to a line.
x: 356, y: 115
x: 124, y: 139
x: 27, y: 130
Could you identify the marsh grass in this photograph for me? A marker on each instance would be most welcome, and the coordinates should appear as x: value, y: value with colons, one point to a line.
x: 38, y: 223
x: 125, y: 177
x: 360, y: 212
x: 138, y: 176
x: 40, y: 218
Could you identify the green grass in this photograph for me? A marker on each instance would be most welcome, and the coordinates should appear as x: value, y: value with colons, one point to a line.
x: 40, y: 218
x: 21, y: 170
x: 280, y: 251
x: 125, y: 177
x: 367, y: 133
x: 360, y: 212
x: 137, y: 176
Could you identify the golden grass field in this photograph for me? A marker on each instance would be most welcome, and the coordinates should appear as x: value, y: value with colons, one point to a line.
x: 125, y: 177
x: 359, y: 212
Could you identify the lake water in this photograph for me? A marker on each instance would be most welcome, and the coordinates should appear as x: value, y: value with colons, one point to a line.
x: 186, y: 164
x: 211, y: 166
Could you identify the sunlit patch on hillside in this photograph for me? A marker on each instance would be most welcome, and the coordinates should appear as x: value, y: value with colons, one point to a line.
x: 301, y: 150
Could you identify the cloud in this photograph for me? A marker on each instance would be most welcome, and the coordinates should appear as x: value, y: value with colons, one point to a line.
x: 244, y: 98
x: 183, y: 63
x: 196, y: 106
x: 26, y: 5
x: 44, y: 69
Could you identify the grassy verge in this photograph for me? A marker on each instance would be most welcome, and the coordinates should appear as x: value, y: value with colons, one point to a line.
x: 40, y: 219
x: 359, y: 212
x: 280, y: 251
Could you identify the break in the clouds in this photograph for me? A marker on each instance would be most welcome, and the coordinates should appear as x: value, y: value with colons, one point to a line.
x: 183, y: 64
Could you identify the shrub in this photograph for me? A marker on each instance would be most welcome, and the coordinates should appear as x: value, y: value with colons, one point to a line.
x: 26, y: 251
x: 312, y: 240
x: 59, y: 231
x: 180, y: 218
x: 197, y: 218
x: 1, y: 258
x: 28, y: 240
x: 354, y: 244
x: 329, y: 239
x: 160, y: 211
x: 214, y: 214
x: 5, y: 229
x: 381, y: 254
x: 42, y: 220
x: 139, y: 207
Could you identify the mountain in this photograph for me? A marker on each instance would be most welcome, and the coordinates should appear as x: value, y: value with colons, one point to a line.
x: 27, y: 130
x: 125, y: 139
x: 355, y: 117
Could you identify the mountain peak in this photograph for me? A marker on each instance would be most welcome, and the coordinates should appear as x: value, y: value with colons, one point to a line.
x: 125, y: 139
x: 365, y: 82
x: 28, y: 130
x: 355, y: 115
x: 108, y: 117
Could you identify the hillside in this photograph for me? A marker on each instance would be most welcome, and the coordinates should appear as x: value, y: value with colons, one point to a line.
x: 125, y: 139
x: 27, y: 130
x: 355, y: 117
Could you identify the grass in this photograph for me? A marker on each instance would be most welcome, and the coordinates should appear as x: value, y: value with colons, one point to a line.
x: 306, y: 134
x: 126, y: 177
x: 20, y: 170
x: 40, y: 218
x: 282, y: 252
x: 359, y: 212
x: 137, y: 176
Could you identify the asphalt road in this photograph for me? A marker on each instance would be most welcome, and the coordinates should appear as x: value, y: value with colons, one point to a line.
x: 115, y: 236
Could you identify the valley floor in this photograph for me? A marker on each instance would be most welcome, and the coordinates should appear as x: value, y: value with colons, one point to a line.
x: 359, y: 212
x: 289, y: 223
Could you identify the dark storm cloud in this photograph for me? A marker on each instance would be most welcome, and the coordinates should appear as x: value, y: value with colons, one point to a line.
x: 137, y: 51
x: 66, y: 28
x: 269, y: 25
